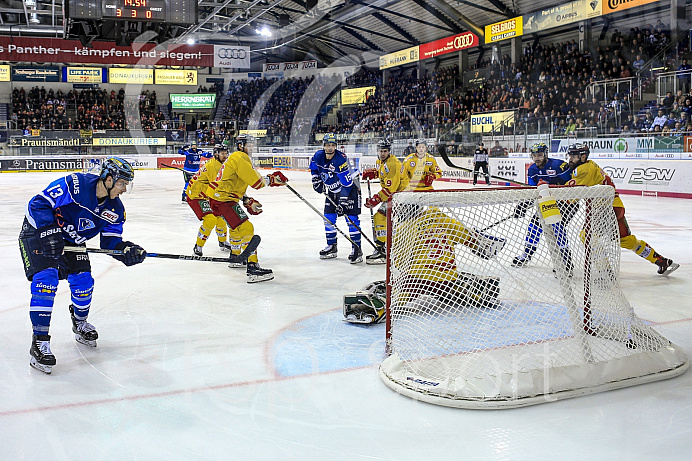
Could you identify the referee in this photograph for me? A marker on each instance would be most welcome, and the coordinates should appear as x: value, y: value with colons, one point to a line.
x: 480, y: 160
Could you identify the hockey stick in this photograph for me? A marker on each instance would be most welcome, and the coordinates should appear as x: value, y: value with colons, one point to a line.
x: 175, y: 167
x: 496, y: 223
x: 252, y: 246
x: 449, y: 163
x: 351, y: 221
x: 319, y: 213
x: 372, y: 213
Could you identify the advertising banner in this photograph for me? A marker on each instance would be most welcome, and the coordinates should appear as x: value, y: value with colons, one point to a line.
x: 288, y: 66
x: 193, y: 100
x: 645, y: 147
x: 399, y: 58
x: 130, y: 75
x: 560, y: 15
x: 490, y: 121
x: 4, y: 73
x: 255, y: 133
x: 22, y: 141
x: 504, y: 30
x: 448, y: 45
x: 175, y: 77
x: 55, y: 50
x: 611, y: 6
x: 356, y: 95
x: 232, y: 56
x: 35, y: 74
x: 175, y: 135
x: 83, y: 75
x: 116, y: 142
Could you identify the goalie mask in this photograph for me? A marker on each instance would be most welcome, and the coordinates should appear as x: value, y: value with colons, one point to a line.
x: 367, y: 305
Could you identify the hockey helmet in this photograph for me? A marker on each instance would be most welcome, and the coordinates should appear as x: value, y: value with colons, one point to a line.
x: 329, y: 138
x: 578, y: 149
x: 420, y: 141
x: 367, y: 305
x: 218, y: 148
x: 118, y: 168
x: 384, y: 144
x: 244, y: 139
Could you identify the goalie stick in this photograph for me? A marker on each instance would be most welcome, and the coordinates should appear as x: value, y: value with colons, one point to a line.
x: 323, y: 216
x: 352, y: 223
x: 252, y: 246
x: 449, y: 163
x: 171, y: 166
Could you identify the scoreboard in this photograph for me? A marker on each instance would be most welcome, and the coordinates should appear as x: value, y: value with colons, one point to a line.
x: 170, y: 11
x: 135, y: 10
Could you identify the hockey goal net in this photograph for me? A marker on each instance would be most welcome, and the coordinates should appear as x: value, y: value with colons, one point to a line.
x: 471, y: 324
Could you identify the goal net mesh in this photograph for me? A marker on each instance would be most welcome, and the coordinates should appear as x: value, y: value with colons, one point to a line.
x: 489, y: 307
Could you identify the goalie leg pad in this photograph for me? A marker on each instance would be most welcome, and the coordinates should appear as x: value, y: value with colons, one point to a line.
x: 478, y: 291
x: 367, y: 305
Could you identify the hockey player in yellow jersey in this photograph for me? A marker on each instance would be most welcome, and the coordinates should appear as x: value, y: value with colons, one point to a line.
x: 229, y: 188
x: 426, y: 241
x: 198, y: 201
x: 420, y: 169
x: 586, y: 172
x: 388, y: 170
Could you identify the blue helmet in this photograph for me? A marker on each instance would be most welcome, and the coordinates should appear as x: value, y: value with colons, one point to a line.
x: 329, y: 138
x: 539, y: 147
x: 118, y: 168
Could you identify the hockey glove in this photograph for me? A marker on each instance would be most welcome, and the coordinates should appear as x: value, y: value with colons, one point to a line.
x: 277, y: 179
x: 253, y: 206
x: 373, y: 202
x: 317, y: 184
x: 521, y: 208
x: 52, y: 243
x: 132, y: 253
x: 428, y: 179
x: 370, y: 173
x: 541, y: 182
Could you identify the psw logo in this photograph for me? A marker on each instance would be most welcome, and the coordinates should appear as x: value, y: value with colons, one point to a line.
x: 652, y: 174
x: 615, y: 173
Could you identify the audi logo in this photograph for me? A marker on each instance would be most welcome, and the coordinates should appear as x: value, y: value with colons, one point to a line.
x: 463, y: 41
x: 232, y: 53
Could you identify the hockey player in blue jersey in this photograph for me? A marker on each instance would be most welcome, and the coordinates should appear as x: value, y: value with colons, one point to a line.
x: 332, y: 175
x: 71, y: 210
x: 193, y: 158
x: 551, y: 171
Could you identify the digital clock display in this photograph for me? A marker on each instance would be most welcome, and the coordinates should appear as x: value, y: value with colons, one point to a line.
x: 135, y: 10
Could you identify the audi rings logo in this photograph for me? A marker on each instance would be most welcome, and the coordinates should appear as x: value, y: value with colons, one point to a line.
x: 231, y: 53
x: 463, y: 41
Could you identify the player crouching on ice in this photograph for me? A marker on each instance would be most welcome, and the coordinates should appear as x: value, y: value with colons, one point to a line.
x: 425, y: 242
x: 74, y: 208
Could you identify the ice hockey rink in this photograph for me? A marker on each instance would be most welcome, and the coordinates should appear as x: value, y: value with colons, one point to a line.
x: 193, y: 363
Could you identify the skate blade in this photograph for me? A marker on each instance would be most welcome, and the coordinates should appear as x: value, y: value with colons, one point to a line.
x: 329, y: 256
x: 670, y: 269
x: 375, y: 262
x: 237, y: 266
x: 86, y: 342
x: 365, y: 320
x: 47, y: 369
x: 259, y: 278
x: 356, y: 261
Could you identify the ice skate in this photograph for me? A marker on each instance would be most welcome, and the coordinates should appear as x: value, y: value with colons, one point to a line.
x: 41, y: 357
x: 329, y: 252
x: 238, y: 264
x: 378, y: 257
x: 197, y: 250
x: 84, y: 332
x: 224, y: 246
x: 256, y: 274
x: 356, y: 256
x: 666, y: 266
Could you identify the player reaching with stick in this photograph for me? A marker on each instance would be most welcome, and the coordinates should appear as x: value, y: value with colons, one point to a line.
x: 332, y: 175
x: 586, y: 172
x: 72, y: 209
x: 229, y: 188
x: 388, y: 170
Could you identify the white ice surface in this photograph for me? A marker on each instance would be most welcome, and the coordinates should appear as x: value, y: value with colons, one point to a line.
x: 193, y: 363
